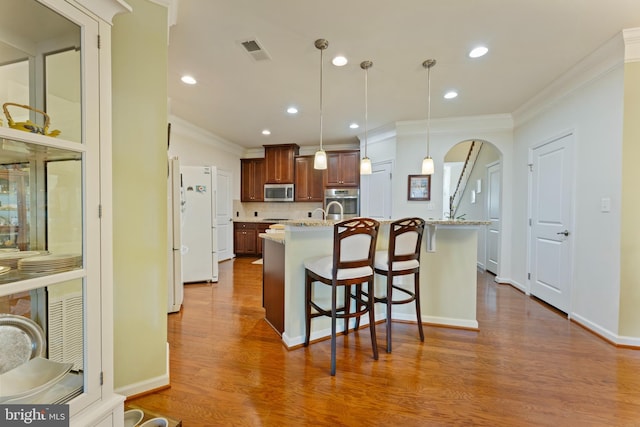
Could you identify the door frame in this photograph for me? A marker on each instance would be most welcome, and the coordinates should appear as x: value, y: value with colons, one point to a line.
x: 228, y: 254
x: 366, y: 190
x: 572, y: 200
x: 488, y: 166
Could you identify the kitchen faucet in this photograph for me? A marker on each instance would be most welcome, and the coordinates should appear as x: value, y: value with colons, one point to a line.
x: 324, y: 214
x: 339, y: 205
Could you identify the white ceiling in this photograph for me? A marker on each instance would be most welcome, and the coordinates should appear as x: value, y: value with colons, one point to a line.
x: 531, y: 42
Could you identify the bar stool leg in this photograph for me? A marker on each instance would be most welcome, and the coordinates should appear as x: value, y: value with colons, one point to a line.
x: 389, y: 304
x: 416, y: 279
x: 307, y: 308
x: 372, y: 318
x: 333, y: 329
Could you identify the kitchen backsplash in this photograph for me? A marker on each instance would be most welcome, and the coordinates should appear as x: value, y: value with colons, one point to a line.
x: 289, y: 210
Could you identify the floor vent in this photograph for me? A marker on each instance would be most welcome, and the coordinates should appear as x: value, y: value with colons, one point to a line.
x: 255, y: 50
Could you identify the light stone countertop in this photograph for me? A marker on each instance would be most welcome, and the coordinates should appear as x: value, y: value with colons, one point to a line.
x: 308, y: 222
x: 430, y: 223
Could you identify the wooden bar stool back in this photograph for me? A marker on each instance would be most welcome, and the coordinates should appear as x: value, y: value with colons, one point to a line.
x: 401, y: 258
x: 354, y: 243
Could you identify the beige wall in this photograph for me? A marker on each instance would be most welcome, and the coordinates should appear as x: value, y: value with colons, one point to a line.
x: 139, y: 196
x: 630, y: 241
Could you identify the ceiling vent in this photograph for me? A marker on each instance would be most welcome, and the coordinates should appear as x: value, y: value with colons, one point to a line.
x: 253, y: 48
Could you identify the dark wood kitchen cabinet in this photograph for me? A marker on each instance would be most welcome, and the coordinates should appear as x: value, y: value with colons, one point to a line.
x: 308, y: 183
x: 246, y: 240
x: 279, y: 163
x: 343, y: 169
x: 252, y: 179
x: 273, y: 284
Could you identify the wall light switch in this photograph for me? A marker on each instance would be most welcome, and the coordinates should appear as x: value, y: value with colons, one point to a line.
x: 605, y: 204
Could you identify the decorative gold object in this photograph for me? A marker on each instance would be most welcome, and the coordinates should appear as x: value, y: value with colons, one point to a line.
x: 29, y: 126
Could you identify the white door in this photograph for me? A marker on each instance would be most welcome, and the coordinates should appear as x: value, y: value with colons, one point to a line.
x: 552, y: 184
x: 376, y: 192
x: 493, y: 215
x: 224, y: 216
x: 174, y: 204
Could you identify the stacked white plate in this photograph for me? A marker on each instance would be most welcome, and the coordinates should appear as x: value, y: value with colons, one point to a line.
x: 10, y: 259
x: 52, y: 263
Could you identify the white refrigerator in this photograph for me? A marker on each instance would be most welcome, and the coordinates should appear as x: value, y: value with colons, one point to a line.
x: 199, y: 238
x: 175, y: 203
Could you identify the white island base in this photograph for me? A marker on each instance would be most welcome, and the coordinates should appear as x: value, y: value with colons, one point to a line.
x: 448, y: 276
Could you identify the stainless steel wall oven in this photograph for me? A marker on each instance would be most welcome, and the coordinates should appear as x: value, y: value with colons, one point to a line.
x: 349, y: 199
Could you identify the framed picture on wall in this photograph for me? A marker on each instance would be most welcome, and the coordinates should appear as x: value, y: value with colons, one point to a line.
x: 419, y: 187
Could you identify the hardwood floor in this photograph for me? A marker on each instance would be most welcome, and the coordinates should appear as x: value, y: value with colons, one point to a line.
x: 527, y: 366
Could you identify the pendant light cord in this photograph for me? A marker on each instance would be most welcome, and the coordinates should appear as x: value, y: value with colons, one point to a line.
x: 428, y: 108
x: 428, y: 64
x: 321, y: 67
x: 366, y: 108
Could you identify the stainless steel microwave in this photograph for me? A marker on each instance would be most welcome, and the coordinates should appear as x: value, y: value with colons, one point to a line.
x: 278, y: 192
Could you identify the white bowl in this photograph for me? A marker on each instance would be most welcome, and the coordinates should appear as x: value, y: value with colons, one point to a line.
x: 132, y: 417
x: 156, y: 422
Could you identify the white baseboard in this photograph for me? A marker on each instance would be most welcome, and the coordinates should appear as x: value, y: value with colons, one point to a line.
x: 605, y: 333
x: 148, y: 384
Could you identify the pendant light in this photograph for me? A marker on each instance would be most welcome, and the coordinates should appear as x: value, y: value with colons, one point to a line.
x: 365, y: 163
x: 427, y: 162
x: 320, y: 159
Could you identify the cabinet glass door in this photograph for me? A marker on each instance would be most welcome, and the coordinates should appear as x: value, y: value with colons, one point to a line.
x: 50, y: 282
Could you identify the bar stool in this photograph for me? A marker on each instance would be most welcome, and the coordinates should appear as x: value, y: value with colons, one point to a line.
x: 354, y: 243
x: 401, y: 258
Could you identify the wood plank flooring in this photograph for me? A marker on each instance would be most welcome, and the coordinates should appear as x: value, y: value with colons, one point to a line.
x: 527, y: 366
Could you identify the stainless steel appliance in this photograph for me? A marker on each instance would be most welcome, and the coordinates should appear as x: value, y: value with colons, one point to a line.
x: 349, y: 199
x: 278, y: 192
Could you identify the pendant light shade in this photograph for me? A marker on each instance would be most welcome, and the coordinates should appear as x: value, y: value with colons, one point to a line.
x: 427, y: 166
x: 365, y: 166
x: 365, y: 163
x: 427, y: 163
x: 320, y: 159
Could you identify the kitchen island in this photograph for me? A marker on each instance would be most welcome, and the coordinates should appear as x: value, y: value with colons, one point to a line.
x: 447, y: 275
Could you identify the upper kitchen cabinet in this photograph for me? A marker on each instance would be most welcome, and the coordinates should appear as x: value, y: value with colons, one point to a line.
x: 56, y: 311
x: 343, y: 169
x: 308, y: 183
x: 252, y: 178
x: 279, y: 163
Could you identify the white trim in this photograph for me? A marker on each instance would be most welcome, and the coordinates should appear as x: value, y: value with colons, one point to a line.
x: 484, y: 123
x: 505, y: 281
x: 109, y: 407
x: 182, y: 127
x: 601, y: 61
x: 144, y: 386
x: 106, y: 9
x: 631, y: 38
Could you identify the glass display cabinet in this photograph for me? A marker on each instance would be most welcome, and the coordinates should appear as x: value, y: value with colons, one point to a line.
x: 55, y: 262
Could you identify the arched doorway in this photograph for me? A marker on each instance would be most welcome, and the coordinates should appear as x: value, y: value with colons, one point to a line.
x: 472, y: 180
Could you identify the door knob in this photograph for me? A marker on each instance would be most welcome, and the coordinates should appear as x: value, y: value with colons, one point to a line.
x: 565, y: 233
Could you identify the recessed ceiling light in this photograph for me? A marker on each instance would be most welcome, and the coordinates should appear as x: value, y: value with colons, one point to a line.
x: 292, y: 110
x: 478, y: 52
x: 354, y: 126
x: 266, y: 132
x: 451, y: 94
x: 188, y: 80
x: 339, y: 61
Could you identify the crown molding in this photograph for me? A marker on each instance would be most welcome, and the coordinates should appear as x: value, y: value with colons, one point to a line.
x: 172, y: 6
x: 484, y: 123
x: 603, y: 60
x: 631, y: 38
x: 180, y: 126
x: 106, y: 9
